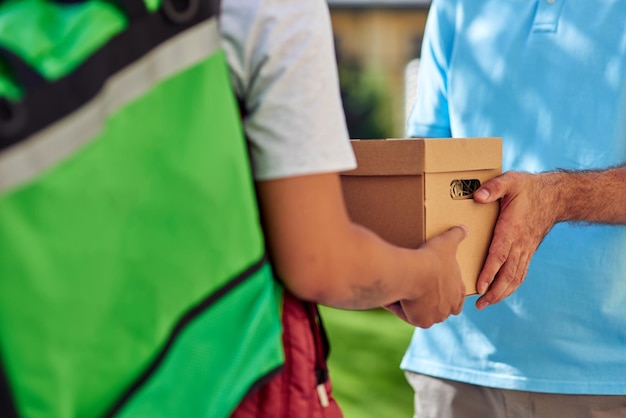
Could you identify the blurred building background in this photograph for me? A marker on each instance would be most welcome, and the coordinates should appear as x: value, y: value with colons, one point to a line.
x: 378, y: 44
x: 375, y: 41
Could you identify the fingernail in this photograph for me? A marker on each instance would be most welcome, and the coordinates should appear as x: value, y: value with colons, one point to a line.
x: 481, y: 194
x: 481, y: 304
x: 482, y: 288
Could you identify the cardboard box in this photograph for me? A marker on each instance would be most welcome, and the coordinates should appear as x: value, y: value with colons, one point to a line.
x: 407, y: 190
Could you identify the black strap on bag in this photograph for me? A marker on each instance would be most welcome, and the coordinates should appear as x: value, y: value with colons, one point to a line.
x: 322, y: 349
x: 13, y: 115
x: 7, y: 405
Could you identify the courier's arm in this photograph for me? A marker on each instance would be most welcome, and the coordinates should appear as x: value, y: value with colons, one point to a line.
x: 530, y: 205
x: 322, y: 256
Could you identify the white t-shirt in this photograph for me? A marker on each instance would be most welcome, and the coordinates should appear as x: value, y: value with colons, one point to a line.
x: 283, y: 68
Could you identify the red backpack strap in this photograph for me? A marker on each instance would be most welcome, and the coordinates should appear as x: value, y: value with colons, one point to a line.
x: 303, y: 388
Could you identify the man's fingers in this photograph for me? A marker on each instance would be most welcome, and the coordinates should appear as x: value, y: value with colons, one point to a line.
x: 487, y: 275
x: 494, y: 262
x: 506, y: 281
x: 516, y: 280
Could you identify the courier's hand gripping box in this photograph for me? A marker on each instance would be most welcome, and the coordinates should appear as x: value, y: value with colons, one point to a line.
x: 408, y: 190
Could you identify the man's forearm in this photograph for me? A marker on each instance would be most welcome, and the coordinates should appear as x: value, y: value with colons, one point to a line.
x: 586, y: 196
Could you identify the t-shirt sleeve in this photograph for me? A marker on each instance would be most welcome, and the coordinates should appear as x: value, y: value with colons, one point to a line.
x: 429, y: 116
x: 283, y: 69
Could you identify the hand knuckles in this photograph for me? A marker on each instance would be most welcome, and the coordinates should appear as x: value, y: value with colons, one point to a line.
x: 517, y: 280
x: 500, y: 257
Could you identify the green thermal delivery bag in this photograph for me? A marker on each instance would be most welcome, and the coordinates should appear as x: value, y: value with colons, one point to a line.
x: 133, y: 275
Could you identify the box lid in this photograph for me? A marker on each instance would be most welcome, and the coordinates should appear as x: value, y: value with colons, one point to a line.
x: 415, y: 156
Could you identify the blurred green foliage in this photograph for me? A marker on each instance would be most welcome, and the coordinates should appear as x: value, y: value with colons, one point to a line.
x: 365, y: 354
x: 365, y: 102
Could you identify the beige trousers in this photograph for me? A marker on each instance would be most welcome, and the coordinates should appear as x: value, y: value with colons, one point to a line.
x: 440, y: 398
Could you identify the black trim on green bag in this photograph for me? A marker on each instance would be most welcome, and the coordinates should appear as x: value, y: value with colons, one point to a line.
x: 7, y: 405
x: 12, y: 117
x: 263, y: 380
x: 26, y: 77
x: 180, y: 326
x: 142, y: 36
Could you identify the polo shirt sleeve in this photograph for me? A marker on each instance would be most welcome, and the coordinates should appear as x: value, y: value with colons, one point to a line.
x: 429, y: 116
x: 283, y: 68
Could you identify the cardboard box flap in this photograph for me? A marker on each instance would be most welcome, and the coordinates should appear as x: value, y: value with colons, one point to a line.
x: 415, y: 156
x: 387, y: 157
x: 461, y: 154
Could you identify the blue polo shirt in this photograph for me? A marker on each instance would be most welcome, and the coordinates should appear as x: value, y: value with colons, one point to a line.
x: 549, y: 77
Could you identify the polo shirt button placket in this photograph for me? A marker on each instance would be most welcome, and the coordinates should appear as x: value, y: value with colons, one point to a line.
x: 547, y: 15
